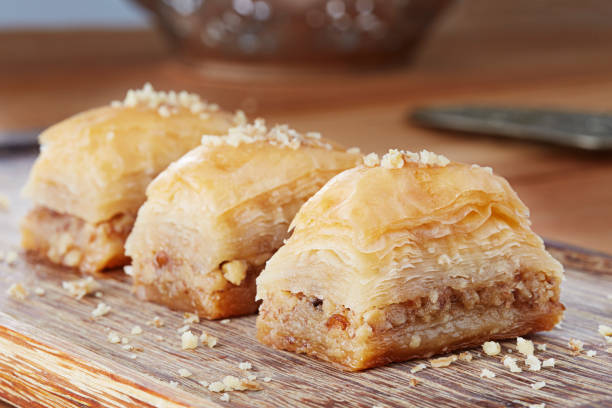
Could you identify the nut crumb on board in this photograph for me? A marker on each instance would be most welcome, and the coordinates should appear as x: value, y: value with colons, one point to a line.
x: 510, y: 363
x: 173, y: 384
x: 443, y: 361
x: 486, y: 373
x: 538, y: 385
x: 183, y: 372
x: 576, y: 346
x: 491, y: 348
x: 414, y: 382
x: 101, y: 310
x: 225, y: 321
x: 225, y: 397
x: 209, y: 340
x: 533, y: 363
x: 604, y: 330
x: 17, y: 291
x: 113, y: 338
x: 245, y: 365
x: 136, y: 330
x: 81, y: 287
x: 267, y: 379
x: 189, y: 341
x: 591, y: 353
x: 183, y: 329
x: 418, y: 367
x: 549, y: 362
x: 524, y: 347
x: 39, y: 292
x: 190, y: 318
x: 466, y: 356
x: 541, y: 347
x: 11, y: 257
x: 156, y: 322
x: 203, y: 383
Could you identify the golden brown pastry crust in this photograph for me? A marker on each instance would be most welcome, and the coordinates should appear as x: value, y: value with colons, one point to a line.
x: 97, y: 164
x: 227, y: 200
x: 406, y: 228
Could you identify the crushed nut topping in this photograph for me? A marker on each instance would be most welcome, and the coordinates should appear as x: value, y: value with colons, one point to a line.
x: 443, y: 361
x: 591, y: 353
x: 486, y: 373
x: 136, y: 330
x: 189, y: 341
x: 225, y: 397
x: 604, y: 330
x: 395, y: 159
x: 166, y: 103
x: 524, y: 347
x: 225, y: 321
x: 231, y: 383
x: 279, y: 135
x: 491, y: 348
x: 541, y: 347
x: 538, y: 385
x: 418, y: 367
x: 81, y: 287
x: 101, y: 310
x: 39, y: 292
x: 17, y: 291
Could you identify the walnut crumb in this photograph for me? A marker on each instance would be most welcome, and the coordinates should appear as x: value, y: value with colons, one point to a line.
x: 234, y: 271
x: 127, y: 347
x: 510, y: 363
x: 39, y: 291
x: 183, y: 329
x: 524, y: 347
x: 604, y: 330
x: 576, y: 346
x: 156, y: 322
x: 245, y: 365
x: 541, y: 347
x: 418, y: 367
x: 209, y: 340
x: 414, y: 382
x: 81, y: 287
x: 548, y: 363
x: 190, y: 318
x: 466, y: 356
x: 113, y: 337
x: 486, y: 373
x: 251, y: 377
x: 183, y: 372
x: 533, y: 363
x: 101, y: 310
x: 267, y: 379
x: 225, y: 397
x: 203, y: 383
x: 443, y: 361
x: 225, y: 321
x: 491, y: 348
x: 591, y: 353
x: 538, y: 385
x: 125, y: 340
x: 189, y: 341
x: 17, y: 291
x: 136, y: 330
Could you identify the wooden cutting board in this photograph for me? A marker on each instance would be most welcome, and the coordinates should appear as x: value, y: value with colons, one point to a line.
x: 53, y: 353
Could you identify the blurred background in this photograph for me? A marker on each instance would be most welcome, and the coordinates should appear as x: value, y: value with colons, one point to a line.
x: 352, y: 69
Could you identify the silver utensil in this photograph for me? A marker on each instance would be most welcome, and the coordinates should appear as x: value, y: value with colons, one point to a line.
x: 10, y: 139
x: 583, y: 130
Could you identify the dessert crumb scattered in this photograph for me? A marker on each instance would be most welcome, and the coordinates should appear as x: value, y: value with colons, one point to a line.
x: 225, y: 397
x: 17, y: 291
x: 183, y: 372
x: 538, y: 385
x: 209, y: 340
x: 533, y: 363
x: 541, y: 347
x: 466, y: 356
x: 486, y: 373
x: 491, y: 348
x: 510, y: 363
x: 225, y: 321
x: 418, y: 367
x: 183, y: 329
x: 443, y: 361
x: 576, y: 346
x: 81, y: 287
x: 113, y: 337
x: 591, y: 353
x: 190, y: 318
x: 245, y: 365
x: 101, y: 310
x: 524, y: 347
x: 155, y: 322
x: 189, y: 341
x: 136, y: 330
x: 39, y: 291
x: 549, y: 362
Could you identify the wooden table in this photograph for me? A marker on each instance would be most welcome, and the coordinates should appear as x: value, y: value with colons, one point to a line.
x: 485, y: 52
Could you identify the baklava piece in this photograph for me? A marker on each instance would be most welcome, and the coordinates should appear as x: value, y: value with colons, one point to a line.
x: 93, y: 170
x: 214, y: 217
x: 407, y: 257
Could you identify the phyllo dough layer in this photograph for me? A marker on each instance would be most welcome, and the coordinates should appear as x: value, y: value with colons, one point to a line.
x: 407, y: 258
x: 95, y: 166
x: 214, y: 217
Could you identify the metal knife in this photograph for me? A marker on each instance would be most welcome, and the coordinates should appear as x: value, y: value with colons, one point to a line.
x: 583, y: 130
x: 11, y: 139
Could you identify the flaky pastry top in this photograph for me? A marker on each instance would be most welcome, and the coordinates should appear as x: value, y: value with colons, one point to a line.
x: 381, y: 234
x: 98, y: 163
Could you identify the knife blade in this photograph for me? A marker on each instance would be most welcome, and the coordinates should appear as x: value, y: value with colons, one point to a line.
x: 10, y: 139
x: 583, y: 130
